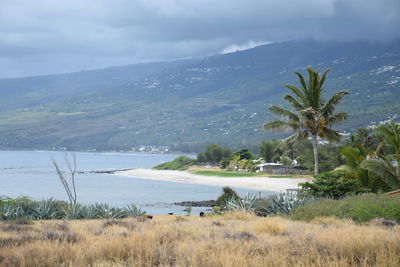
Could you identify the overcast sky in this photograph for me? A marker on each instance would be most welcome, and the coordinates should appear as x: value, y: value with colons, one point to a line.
x: 53, y: 36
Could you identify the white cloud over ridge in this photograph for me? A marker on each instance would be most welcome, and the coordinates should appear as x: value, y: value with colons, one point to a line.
x: 48, y: 36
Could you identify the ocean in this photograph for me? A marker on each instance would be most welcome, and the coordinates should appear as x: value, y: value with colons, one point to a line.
x: 31, y: 173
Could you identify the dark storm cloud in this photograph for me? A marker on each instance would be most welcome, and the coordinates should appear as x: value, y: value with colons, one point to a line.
x: 50, y: 36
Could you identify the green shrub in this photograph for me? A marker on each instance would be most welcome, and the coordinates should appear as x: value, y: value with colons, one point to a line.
x: 360, y: 208
x: 333, y: 184
x: 180, y: 163
x: 12, y: 201
x: 214, y: 154
x: 223, y: 164
x: 228, y: 194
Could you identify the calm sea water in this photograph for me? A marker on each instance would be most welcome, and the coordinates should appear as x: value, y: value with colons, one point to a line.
x: 30, y: 173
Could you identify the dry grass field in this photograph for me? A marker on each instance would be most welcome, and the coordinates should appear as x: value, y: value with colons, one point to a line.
x: 233, y: 239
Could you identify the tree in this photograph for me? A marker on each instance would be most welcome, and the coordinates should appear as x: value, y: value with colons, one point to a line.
x: 390, y: 136
x: 331, y: 185
x: 268, y: 150
x: 386, y: 165
x: 364, y: 137
x: 311, y: 115
x: 214, y: 154
x: 243, y: 153
x: 329, y: 157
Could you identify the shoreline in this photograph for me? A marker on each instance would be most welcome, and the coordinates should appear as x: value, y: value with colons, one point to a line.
x: 262, y: 183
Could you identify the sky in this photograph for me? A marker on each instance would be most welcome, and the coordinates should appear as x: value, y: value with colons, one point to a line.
x: 39, y: 37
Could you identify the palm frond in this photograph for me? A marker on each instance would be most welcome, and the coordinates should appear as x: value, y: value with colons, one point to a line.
x: 391, y: 135
x: 329, y: 106
x: 384, y: 169
x: 330, y: 134
x: 278, y: 124
x: 338, y: 117
x: 302, y: 81
x: 284, y: 112
x: 294, y: 138
x: 294, y: 102
x: 352, y: 156
x: 323, y: 77
x: 296, y: 91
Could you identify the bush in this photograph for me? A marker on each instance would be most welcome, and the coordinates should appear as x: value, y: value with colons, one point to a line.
x: 360, y: 208
x: 180, y: 163
x: 332, y: 185
x: 227, y: 194
x: 214, y: 154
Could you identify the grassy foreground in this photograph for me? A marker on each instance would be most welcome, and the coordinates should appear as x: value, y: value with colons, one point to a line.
x: 233, y: 239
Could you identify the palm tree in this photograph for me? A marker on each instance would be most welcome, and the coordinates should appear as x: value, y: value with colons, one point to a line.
x: 390, y: 136
x: 364, y: 137
x: 387, y: 165
x: 311, y: 114
x: 354, y: 156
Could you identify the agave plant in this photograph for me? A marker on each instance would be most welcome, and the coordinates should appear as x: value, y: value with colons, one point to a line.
x: 247, y: 204
x: 48, y: 209
x: 105, y: 211
x: 134, y: 211
x: 90, y: 212
x: 13, y: 212
x: 75, y: 212
x: 282, y: 203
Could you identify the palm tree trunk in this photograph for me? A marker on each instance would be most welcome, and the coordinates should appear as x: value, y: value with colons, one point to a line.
x: 315, y: 148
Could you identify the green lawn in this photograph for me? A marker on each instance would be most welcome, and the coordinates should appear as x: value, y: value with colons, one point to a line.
x: 241, y: 174
x: 228, y: 174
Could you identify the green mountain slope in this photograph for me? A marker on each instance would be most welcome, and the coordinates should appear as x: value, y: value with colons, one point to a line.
x: 222, y: 98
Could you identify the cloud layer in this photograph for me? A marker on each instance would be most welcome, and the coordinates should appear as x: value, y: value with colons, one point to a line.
x: 51, y: 36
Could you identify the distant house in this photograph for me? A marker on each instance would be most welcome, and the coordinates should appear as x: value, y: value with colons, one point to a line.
x: 278, y: 168
x: 269, y: 167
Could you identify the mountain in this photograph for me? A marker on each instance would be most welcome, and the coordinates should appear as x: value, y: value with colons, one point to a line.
x: 188, y: 103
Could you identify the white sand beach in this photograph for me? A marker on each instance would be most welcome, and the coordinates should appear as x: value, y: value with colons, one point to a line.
x: 252, y: 183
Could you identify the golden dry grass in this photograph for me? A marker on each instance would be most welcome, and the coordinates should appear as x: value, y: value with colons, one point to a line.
x: 235, y: 239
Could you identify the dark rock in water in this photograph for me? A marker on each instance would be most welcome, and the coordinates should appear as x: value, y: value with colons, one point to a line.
x: 204, y: 203
x: 202, y: 214
x: 171, y: 213
x: 104, y: 171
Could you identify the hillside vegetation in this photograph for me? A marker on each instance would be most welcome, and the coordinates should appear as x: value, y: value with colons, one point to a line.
x: 180, y: 163
x: 219, y: 99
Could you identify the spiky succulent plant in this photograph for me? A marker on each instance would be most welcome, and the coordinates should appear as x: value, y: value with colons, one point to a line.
x: 282, y: 203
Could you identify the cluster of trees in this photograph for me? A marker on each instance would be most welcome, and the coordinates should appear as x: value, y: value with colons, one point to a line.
x: 368, y: 161
x: 222, y: 156
x: 372, y: 159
